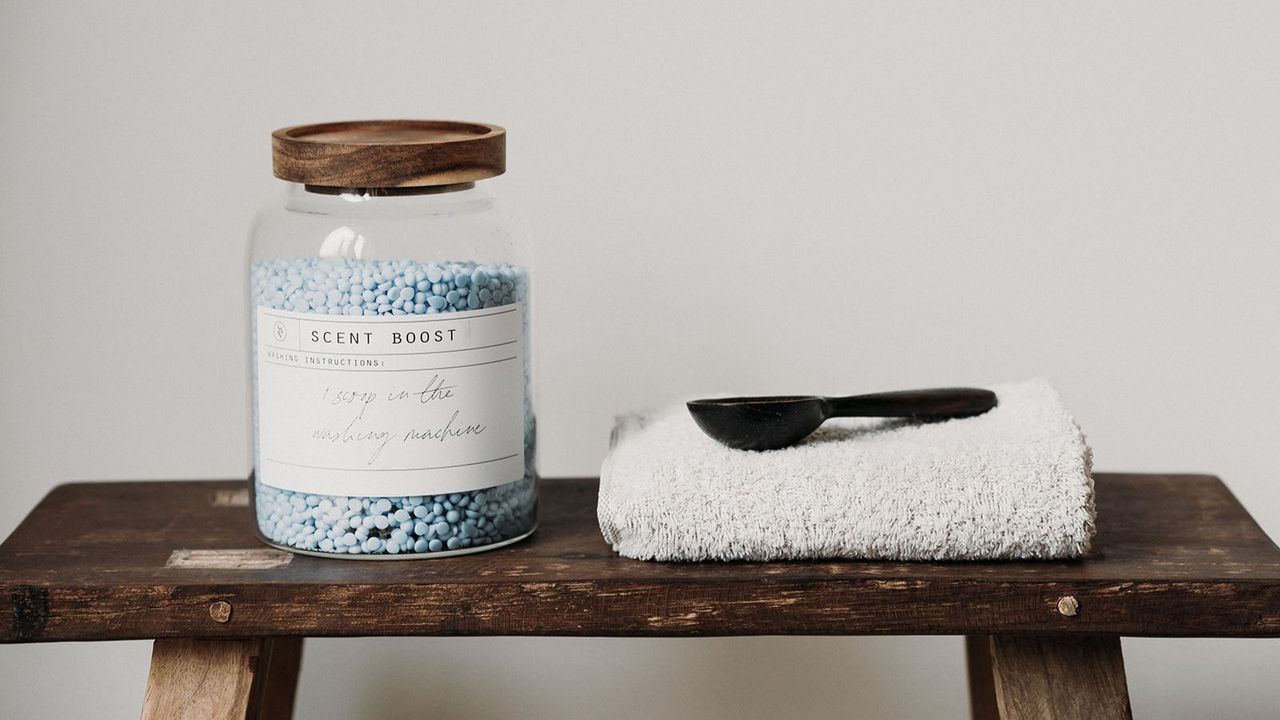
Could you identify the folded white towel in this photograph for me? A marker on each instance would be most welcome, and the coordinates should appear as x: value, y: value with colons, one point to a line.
x: 1013, y: 483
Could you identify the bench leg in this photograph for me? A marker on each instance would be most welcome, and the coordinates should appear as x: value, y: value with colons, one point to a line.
x: 222, y: 679
x: 282, y: 678
x: 1046, y: 677
x: 982, y: 686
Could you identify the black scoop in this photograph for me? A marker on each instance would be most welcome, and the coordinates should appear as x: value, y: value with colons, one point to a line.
x: 768, y: 423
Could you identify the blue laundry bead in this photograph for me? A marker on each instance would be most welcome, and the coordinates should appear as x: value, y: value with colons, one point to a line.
x: 421, y: 545
x: 452, y: 516
x: 435, y: 546
x: 479, y: 276
x: 402, y: 515
x: 406, y: 293
x: 421, y: 528
x: 436, y: 302
x: 453, y: 543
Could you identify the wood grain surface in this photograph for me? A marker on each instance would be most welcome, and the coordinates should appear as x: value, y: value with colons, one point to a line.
x: 389, y: 153
x: 1059, y: 678
x: 1174, y: 556
x: 206, y: 679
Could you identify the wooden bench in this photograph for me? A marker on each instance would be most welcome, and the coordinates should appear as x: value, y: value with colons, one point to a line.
x: 1176, y: 555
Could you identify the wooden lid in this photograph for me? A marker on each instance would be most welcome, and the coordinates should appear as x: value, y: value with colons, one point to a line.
x: 389, y: 153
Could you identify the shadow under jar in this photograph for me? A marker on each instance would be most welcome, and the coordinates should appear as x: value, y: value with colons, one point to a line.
x: 389, y: 298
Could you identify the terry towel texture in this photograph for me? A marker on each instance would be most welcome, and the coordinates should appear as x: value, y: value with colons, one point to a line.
x: 1013, y: 483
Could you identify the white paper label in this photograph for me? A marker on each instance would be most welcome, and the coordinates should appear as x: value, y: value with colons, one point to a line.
x: 392, y: 405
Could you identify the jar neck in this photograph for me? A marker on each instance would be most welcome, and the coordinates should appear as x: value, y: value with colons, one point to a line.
x: 448, y: 199
x: 388, y: 191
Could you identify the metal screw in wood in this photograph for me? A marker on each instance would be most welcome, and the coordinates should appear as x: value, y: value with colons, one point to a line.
x: 220, y: 611
x: 1068, y: 605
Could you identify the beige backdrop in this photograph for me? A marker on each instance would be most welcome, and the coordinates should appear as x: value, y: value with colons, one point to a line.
x: 823, y: 198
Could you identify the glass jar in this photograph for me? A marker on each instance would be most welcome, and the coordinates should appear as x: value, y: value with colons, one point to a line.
x: 389, y: 300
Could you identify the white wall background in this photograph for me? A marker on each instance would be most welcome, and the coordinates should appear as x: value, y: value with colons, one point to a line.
x: 772, y: 197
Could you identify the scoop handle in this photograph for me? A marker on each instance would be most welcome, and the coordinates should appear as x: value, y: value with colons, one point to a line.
x: 929, y: 404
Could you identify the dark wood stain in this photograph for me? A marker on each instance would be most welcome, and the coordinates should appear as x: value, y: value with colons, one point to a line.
x: 30, y: 611
x: 1176, y: 555
x: 1056, y: 678
x: 982, y: 689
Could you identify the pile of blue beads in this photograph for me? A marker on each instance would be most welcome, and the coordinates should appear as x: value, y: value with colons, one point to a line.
x: 383, y: 525
x: 347, y: 286
x: 360, y: 525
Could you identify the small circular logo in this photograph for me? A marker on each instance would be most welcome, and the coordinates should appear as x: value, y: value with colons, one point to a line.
x: 280, y: 332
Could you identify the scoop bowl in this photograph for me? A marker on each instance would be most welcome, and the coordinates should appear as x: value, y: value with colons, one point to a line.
x: 759, y: 423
